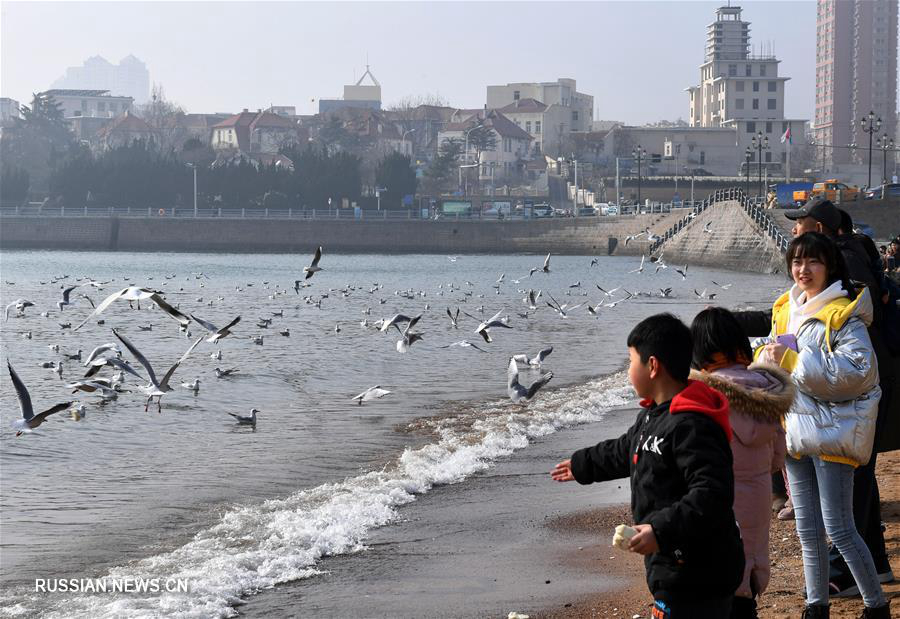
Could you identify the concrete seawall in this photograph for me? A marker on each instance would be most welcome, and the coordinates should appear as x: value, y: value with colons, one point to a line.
x: 585, y: 235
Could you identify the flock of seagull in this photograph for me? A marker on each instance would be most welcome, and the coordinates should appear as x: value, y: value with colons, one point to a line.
x: 110, y: 355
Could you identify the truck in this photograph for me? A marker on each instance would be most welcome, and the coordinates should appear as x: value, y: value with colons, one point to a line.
x: 785, y: 192
x: 832, y: 189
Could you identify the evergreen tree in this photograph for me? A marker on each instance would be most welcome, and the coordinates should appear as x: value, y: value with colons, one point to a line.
x: 395, y: 173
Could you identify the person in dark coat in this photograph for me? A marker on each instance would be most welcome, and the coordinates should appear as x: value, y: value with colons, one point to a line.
x: 820, y: 215
x: 679, y: 461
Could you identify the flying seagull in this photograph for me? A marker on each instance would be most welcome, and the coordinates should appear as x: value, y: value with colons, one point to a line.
x: 156, y: 388
x: 20, y: 305
x: 29, y: 420
x: 217, y: 333
x: 454, y: 319
x: 314, y: 267
x: 484, y: 328
x: 407, y: 337
x: 464, y: 344
x: 516, y: 391
x: 536, y: 361
x: 130, y: 294
x: 372, y: 393
x: 545, y: 268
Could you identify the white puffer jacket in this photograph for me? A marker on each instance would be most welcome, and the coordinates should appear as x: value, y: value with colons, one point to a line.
x: 834, y: 413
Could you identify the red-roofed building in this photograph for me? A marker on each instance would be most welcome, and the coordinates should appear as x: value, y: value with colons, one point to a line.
x: 507, y: 158
x: 254, y: 132
x: 123, y: 130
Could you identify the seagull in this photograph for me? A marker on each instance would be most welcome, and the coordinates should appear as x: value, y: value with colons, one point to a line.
x: 130, y: 294
x: 531, y: 299
x: 29, y: 420
x: 78, y: 412
x: 156, y: 388
x: 397, y: 318
x: 258, y: 340
x: 74, y: 357
x: 246, y: 420
x: 97, y: 364
x: 110, y: 346
x: 65, y: 298
x: 722, y: 286
x: 607, y: 293
x: 314, y: 267
x: 372, y: 393
x: 285, y: 332
x: 563, y: 309
x: 665, y: 292
x: 216, y: 355
x: 595, y: 262
x: 516, y: 391
x: 682, y: 272
x: 464, y: 344
x: 640, y: 269
x: 545, y: 268
x: 632, y: 237
x: 704, y: 295
x: 652, y: 238
x: 147, y: 327
x: 217, y: 333
x: 101, y: 385
x: 194, y: 386
x: 708, y: 227
x: 454, y: 319
x: 536, y: 361
x: 484, y: 328
x: 225, y: 373
x: 20, y: 305
x: 407, y: 337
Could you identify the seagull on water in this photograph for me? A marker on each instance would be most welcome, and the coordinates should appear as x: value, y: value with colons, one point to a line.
x: 518, y: 393
x: 194, y: 386
x: 372, y: 393
x: 29, y: 420
x: 225, y: 373
x: 246, y: 420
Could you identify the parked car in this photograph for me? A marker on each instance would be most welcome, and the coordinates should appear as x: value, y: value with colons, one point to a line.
x: 891, y: 190
x: 542, y: 210
x: 864, y: 228
x: 587, y: 211
x: 830, y: 190
x: 612, y: 209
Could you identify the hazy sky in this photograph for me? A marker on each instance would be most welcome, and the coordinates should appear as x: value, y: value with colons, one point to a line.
x: 635, y: 58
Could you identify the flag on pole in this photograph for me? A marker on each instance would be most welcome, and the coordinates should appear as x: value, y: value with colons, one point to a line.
x: 787, y: 136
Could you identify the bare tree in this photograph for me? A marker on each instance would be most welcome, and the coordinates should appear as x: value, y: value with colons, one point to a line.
x: 162, y: 115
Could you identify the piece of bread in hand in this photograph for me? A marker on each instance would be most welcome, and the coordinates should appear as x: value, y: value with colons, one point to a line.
x: 623, y: 535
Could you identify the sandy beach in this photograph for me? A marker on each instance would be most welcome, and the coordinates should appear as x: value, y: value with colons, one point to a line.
x: 782, y: 600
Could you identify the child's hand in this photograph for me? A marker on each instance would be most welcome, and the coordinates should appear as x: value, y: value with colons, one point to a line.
x: 563, y: 471
x: 773, y: 353
x: 644, y: 542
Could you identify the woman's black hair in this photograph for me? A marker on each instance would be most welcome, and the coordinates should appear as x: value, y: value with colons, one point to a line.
x: 817, y: 245
x: 716, y: 330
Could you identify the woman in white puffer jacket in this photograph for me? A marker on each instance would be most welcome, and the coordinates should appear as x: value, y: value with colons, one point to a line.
x: 819, y: 335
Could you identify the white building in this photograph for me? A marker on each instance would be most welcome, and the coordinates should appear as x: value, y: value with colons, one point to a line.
x: 513, y: 145
x: 93, y: 103
x: 743, y: 91
x: 9, y: 109
x: 129, y: 78
x: 356, y: 95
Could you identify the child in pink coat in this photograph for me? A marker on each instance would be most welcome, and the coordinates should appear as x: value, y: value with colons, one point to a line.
x: 758, y: 398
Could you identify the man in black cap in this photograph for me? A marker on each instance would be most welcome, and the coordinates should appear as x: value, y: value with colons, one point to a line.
x: 821, y: 215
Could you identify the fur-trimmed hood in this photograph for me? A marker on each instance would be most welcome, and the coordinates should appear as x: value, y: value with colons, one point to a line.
x: 763, y: 392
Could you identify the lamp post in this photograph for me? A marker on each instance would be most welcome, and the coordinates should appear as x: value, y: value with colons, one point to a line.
x: 466, y: 132
x: 760, y: 144
x: 194, y: 168
x: 870, y: 124
x: 885, y: 143
x: 639, y: 153
x: 748, y: 156
x: 403, y: 139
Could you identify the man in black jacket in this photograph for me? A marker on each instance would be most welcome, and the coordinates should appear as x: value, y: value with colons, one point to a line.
x: 678, y: 457
x: 823, y: 216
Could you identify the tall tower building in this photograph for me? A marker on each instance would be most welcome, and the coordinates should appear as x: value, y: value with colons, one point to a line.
x: 742, y: 90
x: 856, y: 72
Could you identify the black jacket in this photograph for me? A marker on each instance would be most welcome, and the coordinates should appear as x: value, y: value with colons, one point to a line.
x: 678, y: 457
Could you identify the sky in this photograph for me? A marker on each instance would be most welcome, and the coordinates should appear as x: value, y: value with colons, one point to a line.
x: 636, y: 58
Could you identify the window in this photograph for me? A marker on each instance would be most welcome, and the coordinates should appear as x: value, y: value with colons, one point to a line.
x: 101, y: 106
x: 751, y: 127
x: 769, y: 127
x: 84, y: 105
x: 773, y: 86
x: 739, y: 104
x: 732, y: 70
x: 112, y: 107
x: 756, y: 104
x: 772, y: 104
x: 537, y: 126
x: 762, y: 70
x: 77, y: 112
x: 515, y: 95
x: 739, y: 86
x: 702, y: 157
x: 768, y: 156
x: 574, y: 116
x: 528, y: 126
x: 747, y: 70
x: 755, y: 86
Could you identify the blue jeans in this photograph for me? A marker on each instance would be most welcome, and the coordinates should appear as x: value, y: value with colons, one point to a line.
x: 823, y: 503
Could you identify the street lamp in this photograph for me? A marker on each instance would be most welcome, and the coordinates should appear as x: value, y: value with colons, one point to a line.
x: 870, y: 124
x: 639, y: 153
x: 466, y: 132
x: 194, y: 167
x: 760, y: 144
x: 885, y: 143
x: 748, y: 156
x: 403, y: 139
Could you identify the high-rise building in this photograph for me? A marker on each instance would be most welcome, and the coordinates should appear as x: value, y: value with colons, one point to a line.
x: 856, y: 72
x: 129, y: 78
x: 743, y: 91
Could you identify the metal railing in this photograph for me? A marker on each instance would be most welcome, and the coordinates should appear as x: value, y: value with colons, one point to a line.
x: 754, y: 207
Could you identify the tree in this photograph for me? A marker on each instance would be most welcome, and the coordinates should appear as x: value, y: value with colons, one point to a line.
x: 395, y: 173
x: 162, y: 115
x: 14, y: 184
x: 38, y: 142
x: 443, y: 168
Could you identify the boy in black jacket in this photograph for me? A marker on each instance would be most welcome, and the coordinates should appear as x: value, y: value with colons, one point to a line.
x: 678, y: 457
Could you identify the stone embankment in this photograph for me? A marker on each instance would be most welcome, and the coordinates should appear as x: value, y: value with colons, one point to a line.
x: 583, y: 235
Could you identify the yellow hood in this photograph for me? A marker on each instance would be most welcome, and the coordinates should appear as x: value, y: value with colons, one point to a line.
x: 834, y: 315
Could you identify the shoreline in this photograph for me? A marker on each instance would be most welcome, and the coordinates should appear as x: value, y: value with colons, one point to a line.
x: 784, y: 597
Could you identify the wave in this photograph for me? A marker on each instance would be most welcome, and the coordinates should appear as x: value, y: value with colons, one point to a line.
x: 255, y: 547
